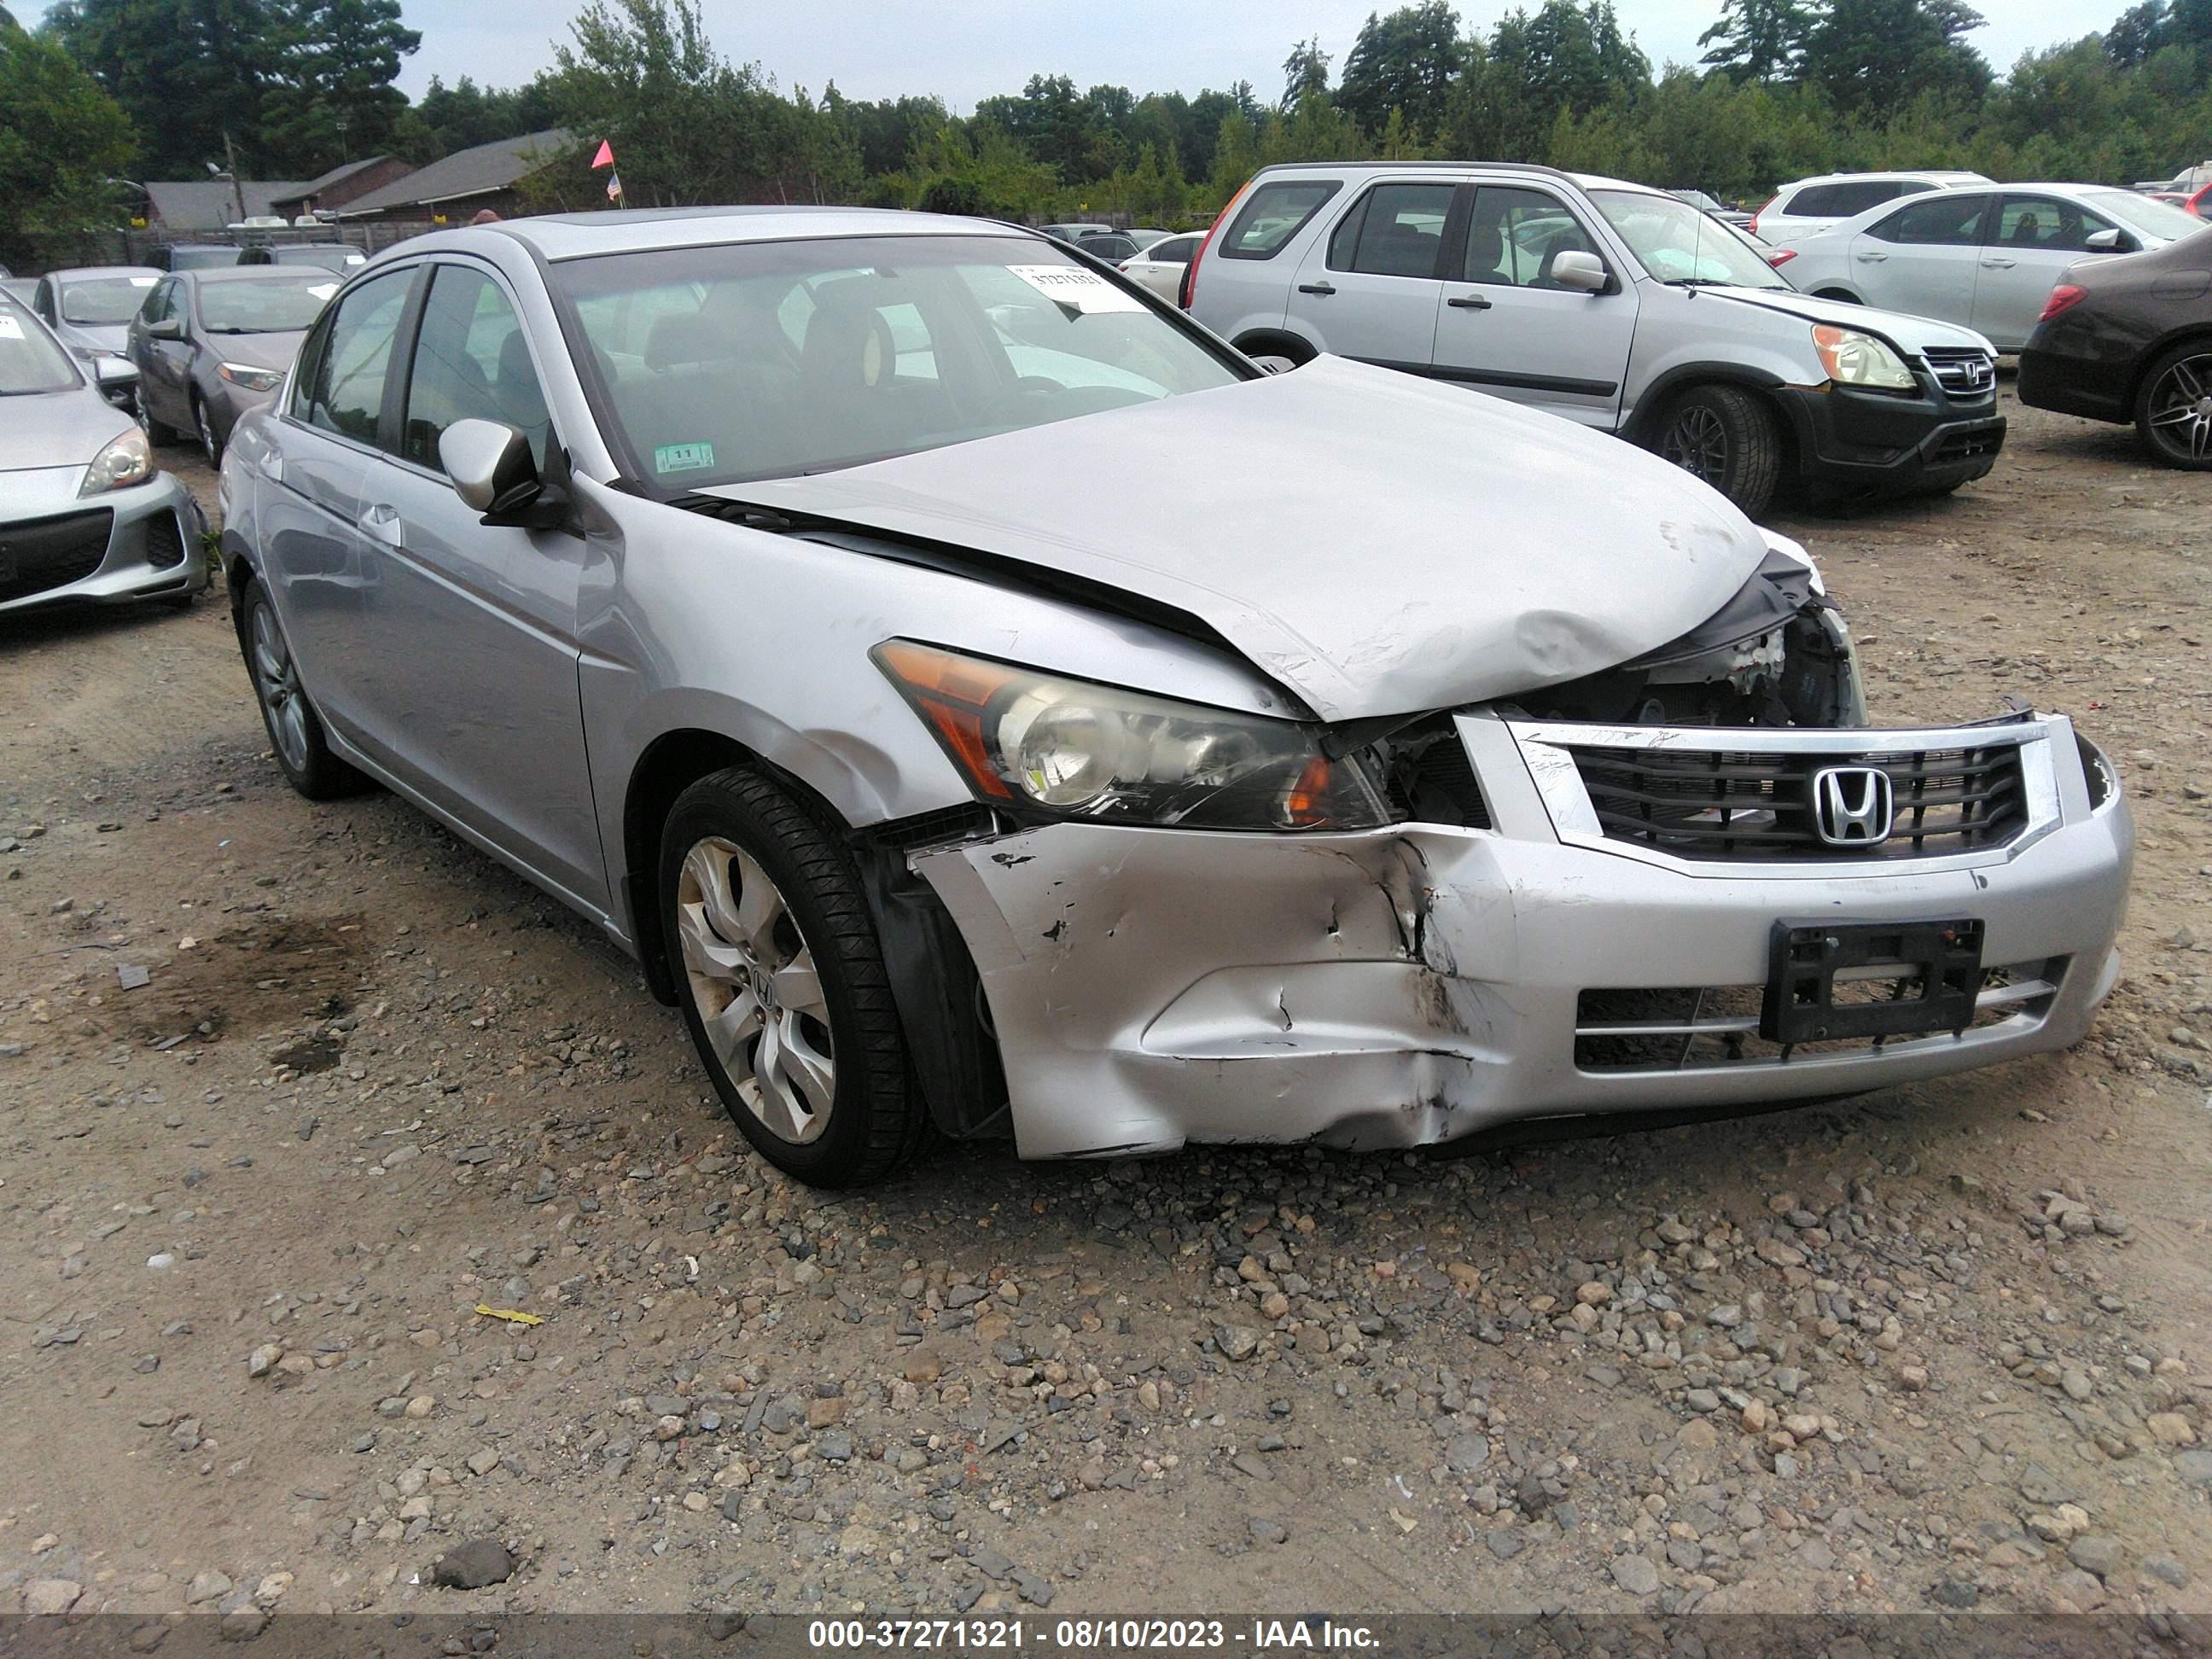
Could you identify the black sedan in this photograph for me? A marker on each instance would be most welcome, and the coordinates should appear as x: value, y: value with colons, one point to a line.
x: 2130, y: 338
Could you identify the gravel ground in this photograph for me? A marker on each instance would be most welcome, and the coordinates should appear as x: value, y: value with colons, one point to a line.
x: 1942, y: 1347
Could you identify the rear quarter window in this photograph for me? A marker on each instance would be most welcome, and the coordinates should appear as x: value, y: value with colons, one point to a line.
x: 1272, y: 215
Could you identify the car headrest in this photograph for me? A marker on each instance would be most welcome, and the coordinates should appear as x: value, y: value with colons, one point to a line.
x: 686, y: 337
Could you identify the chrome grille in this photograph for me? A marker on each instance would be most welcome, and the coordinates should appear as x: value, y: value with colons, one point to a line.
x: 1962, y: 371
x: 1745, y: 804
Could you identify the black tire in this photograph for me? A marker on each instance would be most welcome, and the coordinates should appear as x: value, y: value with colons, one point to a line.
x: 211, y: 445
x: 874, y: 1118
x: 295, y: 731
x: 2173, y: 410
x: 1842, y: 295
x: 1726, y: 437
x: 158, y: 433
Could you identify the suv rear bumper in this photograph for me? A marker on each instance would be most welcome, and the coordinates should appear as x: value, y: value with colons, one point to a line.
x: 1870, y: 441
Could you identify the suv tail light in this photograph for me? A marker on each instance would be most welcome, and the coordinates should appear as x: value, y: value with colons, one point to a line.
x: 2065, y: 297
x: 1189, y: 289
x: 1781, y: 257
x: 1763, y: 206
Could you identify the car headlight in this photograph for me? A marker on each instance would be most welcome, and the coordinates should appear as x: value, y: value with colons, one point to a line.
x: 1854, y: 359
x: 1032, y: 742
x: 249, y: 378
x: 127, y: 459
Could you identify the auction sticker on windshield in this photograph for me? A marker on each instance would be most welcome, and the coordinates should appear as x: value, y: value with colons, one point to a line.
x: 683, y: 457
x: 1075, y: 291
x: 9, y: 328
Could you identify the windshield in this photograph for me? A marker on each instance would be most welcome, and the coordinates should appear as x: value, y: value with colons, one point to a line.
x: 30, y: 361
x: 774, y: 359
x: 1677, y: 244
x: 103, y: 301
x: 2140, y: 214
x: 276, y: 305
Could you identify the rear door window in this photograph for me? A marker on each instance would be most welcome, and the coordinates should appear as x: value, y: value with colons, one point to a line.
x: 1271, y: 216
x: 346, y: 394
x: 1397, y: 230
x: 1942, y: 220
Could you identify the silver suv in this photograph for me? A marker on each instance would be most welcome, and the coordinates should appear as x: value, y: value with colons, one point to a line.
x: 1608, y: 303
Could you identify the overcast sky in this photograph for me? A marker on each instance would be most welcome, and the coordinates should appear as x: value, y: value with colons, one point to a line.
x: 963, y: 50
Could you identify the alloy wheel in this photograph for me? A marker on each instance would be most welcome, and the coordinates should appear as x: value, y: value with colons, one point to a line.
x: 752, y: 981
x: 2180, y: 406
x: 277, y: 683
x: 1697, y: 442
x: 208, y: 445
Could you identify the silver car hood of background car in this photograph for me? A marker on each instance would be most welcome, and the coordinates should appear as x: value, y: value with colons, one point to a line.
x: 1379, y: 545
x: 55, y: 429
x: 259, y: 351
x: 1912, y: 333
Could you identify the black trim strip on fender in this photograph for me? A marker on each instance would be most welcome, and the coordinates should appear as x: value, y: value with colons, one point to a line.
x: 1499, y: 377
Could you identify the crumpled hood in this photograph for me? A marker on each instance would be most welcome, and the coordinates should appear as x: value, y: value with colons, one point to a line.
x: 55, y: 429
x: 1380, y: 544
x: 1912, y: 333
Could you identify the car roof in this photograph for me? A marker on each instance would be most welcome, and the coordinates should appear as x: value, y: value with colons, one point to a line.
x: 1584, y: 180
x: 241, y: 273
x: 102, y: 270
x: 1938, y: 174
x: 584, y: 236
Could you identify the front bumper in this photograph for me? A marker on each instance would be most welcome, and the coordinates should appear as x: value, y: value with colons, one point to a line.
x: 1413, y: 985
x: 1871, y: 442
x: 135, y: 544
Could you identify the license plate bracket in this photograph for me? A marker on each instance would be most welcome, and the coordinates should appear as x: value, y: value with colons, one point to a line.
x: 1942, y: 959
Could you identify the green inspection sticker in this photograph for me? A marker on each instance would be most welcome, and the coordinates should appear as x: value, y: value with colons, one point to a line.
x: 683, y: 457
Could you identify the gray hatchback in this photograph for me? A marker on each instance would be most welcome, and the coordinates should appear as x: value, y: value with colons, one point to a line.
x: 751, y: 581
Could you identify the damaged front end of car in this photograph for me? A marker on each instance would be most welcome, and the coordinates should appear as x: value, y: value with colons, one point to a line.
x: 1620, y: 894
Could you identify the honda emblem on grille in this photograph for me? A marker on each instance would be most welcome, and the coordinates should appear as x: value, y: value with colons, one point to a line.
x: 1852, y: 806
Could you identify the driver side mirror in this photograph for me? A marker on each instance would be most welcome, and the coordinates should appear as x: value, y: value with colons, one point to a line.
x: 2110, y: 239
x: 166, y: 328
x: 490, y: 465
x: 118, y: 378
x: 1584, y: 273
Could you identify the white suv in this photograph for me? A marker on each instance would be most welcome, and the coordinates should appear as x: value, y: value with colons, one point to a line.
x: 1610, y: 304
x: 1814, y: 204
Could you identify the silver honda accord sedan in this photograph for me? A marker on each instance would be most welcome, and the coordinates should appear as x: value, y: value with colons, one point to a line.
x: 84, y: 513
x: 748, y: 580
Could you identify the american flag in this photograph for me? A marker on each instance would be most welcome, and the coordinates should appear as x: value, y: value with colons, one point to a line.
x: 614, y: 187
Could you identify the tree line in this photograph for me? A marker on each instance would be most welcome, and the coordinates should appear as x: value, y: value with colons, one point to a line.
x: 1783, y: 89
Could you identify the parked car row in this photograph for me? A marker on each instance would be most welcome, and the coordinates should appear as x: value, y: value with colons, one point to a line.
x: 1985, y: 259
x: 737, y: 578
x: 1612, y: 304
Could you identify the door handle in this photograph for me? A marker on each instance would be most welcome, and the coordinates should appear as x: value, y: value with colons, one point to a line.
x: 1999, y: 265
x: 1468, y: 302
x: 1871, y: 259
x: 381, y: 524
x: 1316, y: 288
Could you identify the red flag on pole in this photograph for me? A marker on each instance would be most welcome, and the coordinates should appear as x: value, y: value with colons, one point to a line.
x: 605, y: 158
